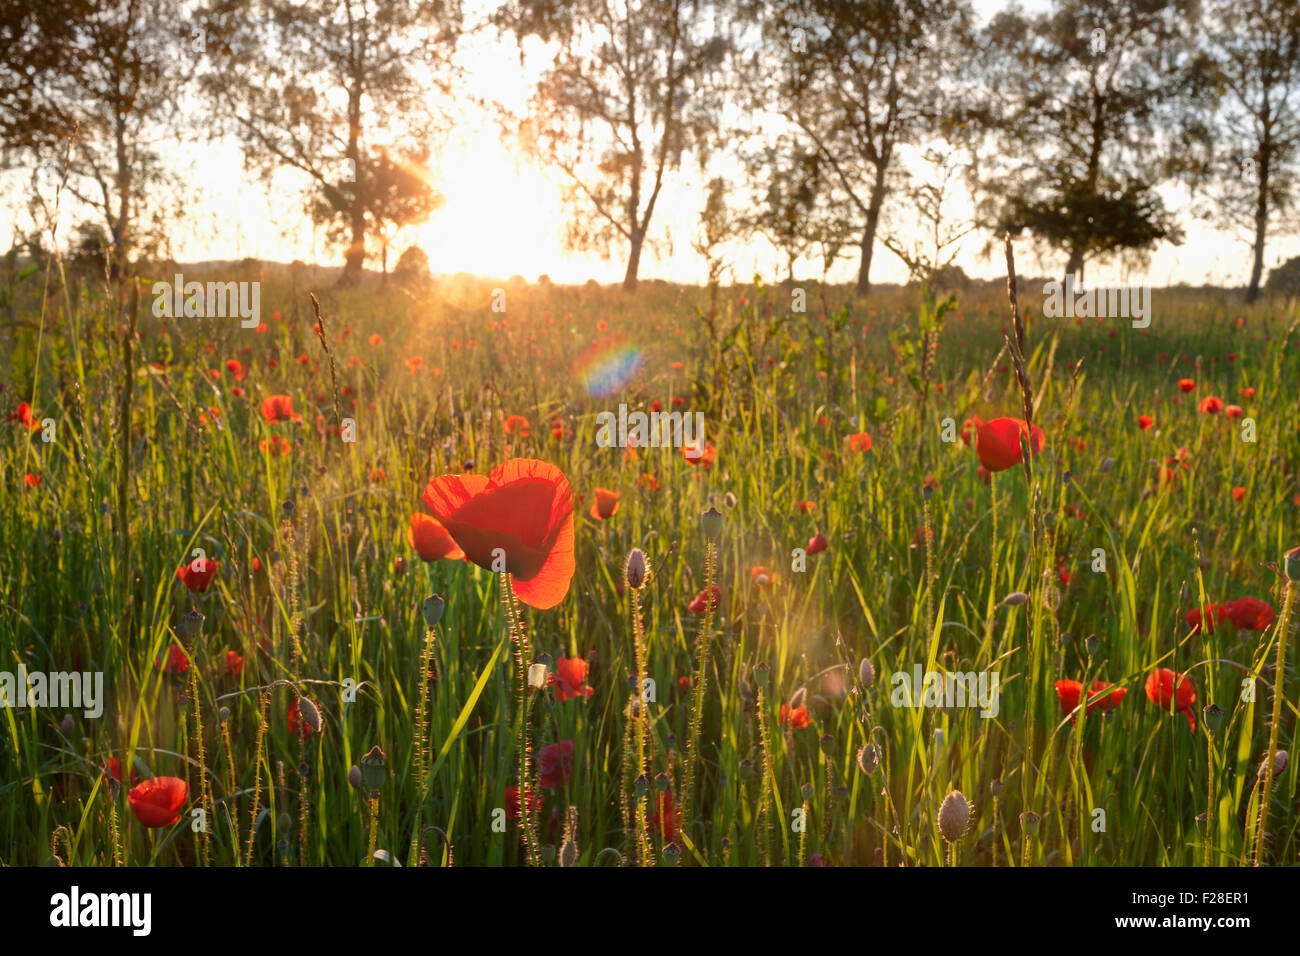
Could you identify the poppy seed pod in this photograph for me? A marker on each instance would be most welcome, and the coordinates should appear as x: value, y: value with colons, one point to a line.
x: 434, y: 605
x: 806, y: 791
x: 1293, y: 565
x: 995, y: 787
x: 636, y: 569
x: 866, y: 673
x: 1092, y: 644
x: 662, y: 783
x: 374, y: 769
x: 672, y: 853
x: 1213, y: 715
x: 954, y: 815
x: 1029, y: 822
x: 536, y: 676
x: 191, y: 626
x: 761, y: 673
x: 711, y: 523
x: 309, y: 713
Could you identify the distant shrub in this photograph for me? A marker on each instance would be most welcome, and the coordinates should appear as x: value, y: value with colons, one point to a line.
x: 1285, y: 279
x: 413, y: 264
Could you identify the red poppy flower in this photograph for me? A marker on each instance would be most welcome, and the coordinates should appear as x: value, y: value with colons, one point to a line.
x: 605, y: 505
x: 1248, y: 392
x: 796, y: 717
x: 1186, y: 385
x: 555, y: 765
x: 113, y: 770
x: 1164, y: 687
x: 760, y: 575
x: 279, y: 408
x: 1250, y: 613
x: 234, y: 663
x: 697, y: 456
x: 1069, y: 691
x: 415, y: 363
x: 1211, y: 404
x: 512, y: 801
x: 517, y: 423
x: 198, y: 574
x: 997, y: 443
x: 157, y: 801
x: 524, y: 508
x: 31, y: 479
x: 1145, y: 422
x: 1214, y: 613
x: 698, y: 606
x: 24, y: 415
x: 805, y: 507
x: 816, y: 544
x: 1234, y: 411
x: 235, y: 368
x: 663, y: 817
x: 276, y: 444
x: 860, y: 442
x: 969, y: 429
x: 1238, y: 493
x: 431, y: 540
x: 173, y: 660
x: 570, y: 679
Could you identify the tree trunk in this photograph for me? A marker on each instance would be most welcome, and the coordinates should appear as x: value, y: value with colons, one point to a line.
x: 869, y: 234
x: 1075, y: 267
x: 355, y: 259
x: 633, y: 261
x: 1261, y: 226
x: 356, y: 255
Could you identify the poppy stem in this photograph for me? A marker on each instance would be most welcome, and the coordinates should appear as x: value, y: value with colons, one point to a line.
x: 205, y: 798
x: 520, y: 641
x: 1209, y: 802
x: 701, y: 680
x: 1279, y: 671
x: 422, y: 743
x: 645, y: 852
x: 262, y: 701
x: 374, y: 828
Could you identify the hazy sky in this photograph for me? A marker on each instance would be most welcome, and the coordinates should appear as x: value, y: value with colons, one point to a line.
x: 503, y: 213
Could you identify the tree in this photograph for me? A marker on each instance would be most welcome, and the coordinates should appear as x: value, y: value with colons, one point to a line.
x: 1285, y: 279
x: 855, y: 82
x: 631, y: 90
x: 1254, y: 146
x: 1077, y: 98
x: 796, y: 209
x: 320, y: 86
x: 100, y: 103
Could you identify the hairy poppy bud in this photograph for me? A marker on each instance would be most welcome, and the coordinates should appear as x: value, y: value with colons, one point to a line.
x: 711, y: 522
x: 354, y: 776
x: 730, y: 499
x: 954, y: 815
x: 67, y: 726
x: 536, y: 676
x: 798, y: 697
x: 434, y: 605
x: 569, y: 853
x: 869, y: 758
x: 309, y: 713
x: 634, y: 572
x: 374, y: 769
x: 866, y: 673
x: 1015, y: 598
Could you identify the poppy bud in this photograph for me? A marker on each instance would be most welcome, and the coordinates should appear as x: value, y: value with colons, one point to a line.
x: 730, y: 500
x: 1107, y: 464
x: 354, y: 776
x: 761, y: 673
x: 569, y: 853
x: 1279, y: 765
x: 536, y: 676
x: 1029, y: 822
x: 798, y: 697
x: 68, y: 726
x: 434, y: 605
x: 711, y: 522
x: 1092, y: 644
x: 866, y: 673
x: 1213, y: 715
x: 634, y: 572
x: 1015, y: 598
x: 1293, y: 565
x: 374, y: 769
x: 954, y: 815
x: 868, y: 758
x: 309, y: 713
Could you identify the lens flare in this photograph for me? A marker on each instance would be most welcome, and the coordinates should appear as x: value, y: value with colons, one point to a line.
x: 607, y: 366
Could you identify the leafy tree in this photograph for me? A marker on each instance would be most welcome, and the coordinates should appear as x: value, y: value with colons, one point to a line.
x: 1285, y: 279
x: 337, y: 90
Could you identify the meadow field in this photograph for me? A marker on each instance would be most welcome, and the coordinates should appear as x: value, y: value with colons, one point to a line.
x: 255, y: 535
